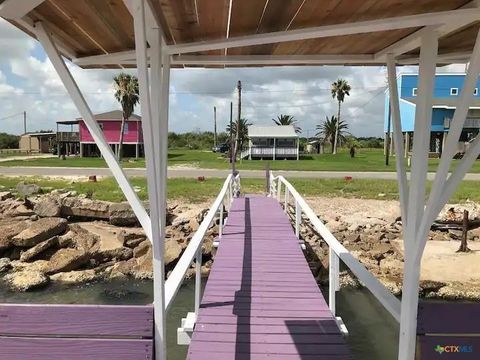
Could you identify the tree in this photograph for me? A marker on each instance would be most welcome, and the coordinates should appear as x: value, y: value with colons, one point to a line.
x: 243, y: 131
x: 328, y: 129
x: 287, y: 120
x: 126, y: 93
x: 340, y: 89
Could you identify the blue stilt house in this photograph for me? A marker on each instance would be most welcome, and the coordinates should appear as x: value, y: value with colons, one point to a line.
x: 447, y: 88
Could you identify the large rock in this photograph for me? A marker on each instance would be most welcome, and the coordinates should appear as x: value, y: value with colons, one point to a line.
x: 67, y: 260
x: 118, y: 254
x: 142, y: 249
x: 4, y: 195
x: 172, y: 251
x: 85, y: 208
x: 144, y: 267
x: 48, y: 207
x: 27, y: 280
x: 121, y: 214
x: 131, y: 240
x: 5, y: 265
x: 39, y: 231
x: 79, y: 238
x: 27, y: 189
x: 33, y: 252
x: 75, y: 277
x: 8, y: 231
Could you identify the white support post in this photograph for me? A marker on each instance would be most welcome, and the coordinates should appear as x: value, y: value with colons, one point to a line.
x: 155, y: 130
x: 80, y: 103
x: 285, y: 206
x: 334, y: 279
x: 198, y: 281
x: 220, y: 224
x: 397, y: 132
x: 298, y: 148
x: 279, y: 189
x: 423, y: 119
x: 438, y: 195
x: 298, y: 219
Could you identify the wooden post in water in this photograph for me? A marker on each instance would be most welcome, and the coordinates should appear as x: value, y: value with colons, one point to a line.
x: 464, y: 245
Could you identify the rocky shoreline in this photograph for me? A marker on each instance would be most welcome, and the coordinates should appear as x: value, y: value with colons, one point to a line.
x: 374, y: 237
x: 65, y: 238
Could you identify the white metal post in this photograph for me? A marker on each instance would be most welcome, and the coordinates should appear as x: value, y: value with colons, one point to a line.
x: 80, y: 103
x: 286, y: 200
x: 198, y: 280
x: 421, y: 141
x: 397, y: 132
x: 333, y: 279
x: 155, y: 129
x: 298, y: 217
x: 220, y: 224
x: 279, y: 189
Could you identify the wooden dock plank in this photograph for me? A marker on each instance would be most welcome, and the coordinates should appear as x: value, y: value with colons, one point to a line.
x: 261, y: 300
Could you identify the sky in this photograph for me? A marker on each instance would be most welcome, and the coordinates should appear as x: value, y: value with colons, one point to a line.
x: 29, y: 83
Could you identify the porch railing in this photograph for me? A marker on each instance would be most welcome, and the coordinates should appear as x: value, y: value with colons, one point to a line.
x: 68, y: 136
x: 336, y: 250
x: 193, y: 252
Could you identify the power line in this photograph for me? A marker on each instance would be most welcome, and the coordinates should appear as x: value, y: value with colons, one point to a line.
x: 11, y: 116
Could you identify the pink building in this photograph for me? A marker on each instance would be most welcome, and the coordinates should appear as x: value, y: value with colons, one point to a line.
x: 111, y: 122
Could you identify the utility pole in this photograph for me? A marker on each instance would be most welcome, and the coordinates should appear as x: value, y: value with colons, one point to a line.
x: 237, y: 133
x: 215, y: 127
x: 24, y: 122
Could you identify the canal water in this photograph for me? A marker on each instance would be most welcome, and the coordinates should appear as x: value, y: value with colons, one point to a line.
x: 373, y: 332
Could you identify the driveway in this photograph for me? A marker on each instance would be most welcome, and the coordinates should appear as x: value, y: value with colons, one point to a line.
x: 189, y: 173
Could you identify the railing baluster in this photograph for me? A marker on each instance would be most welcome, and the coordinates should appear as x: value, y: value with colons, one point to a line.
x: 198, y: 279
x: 220, y: 224
x: 298, y: 218
x: 279, y: 189
x: 333, y: 278
x: 286, y: 200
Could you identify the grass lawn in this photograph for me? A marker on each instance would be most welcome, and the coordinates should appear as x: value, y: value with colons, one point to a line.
x: 365, y: 160
x: 192, y: 190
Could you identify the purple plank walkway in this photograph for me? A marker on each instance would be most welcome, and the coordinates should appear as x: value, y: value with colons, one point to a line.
x: 261, y: 300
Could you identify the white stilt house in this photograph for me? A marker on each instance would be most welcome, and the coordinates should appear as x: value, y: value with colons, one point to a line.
x: 182, y: 34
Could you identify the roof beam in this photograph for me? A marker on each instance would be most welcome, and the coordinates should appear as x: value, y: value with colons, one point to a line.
x: 412, y: 41
x: 401, y: 22
x: 15, y: 9
x: 107, y: 59
x: 271, y: 60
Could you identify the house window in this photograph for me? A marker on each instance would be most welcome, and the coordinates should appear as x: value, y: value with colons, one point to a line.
x: 414, y: 92
x: 453, y: 91
x: 475, y: 92
x: 125, y: 128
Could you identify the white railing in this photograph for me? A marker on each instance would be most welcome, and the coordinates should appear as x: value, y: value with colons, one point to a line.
x: 280, y: 151
x: 337, y: 250
x: 193, y: 252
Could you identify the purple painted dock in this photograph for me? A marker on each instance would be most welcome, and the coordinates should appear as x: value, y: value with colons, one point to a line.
x: 261, y: 300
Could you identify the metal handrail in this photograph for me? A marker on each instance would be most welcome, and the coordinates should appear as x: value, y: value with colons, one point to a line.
x: 194, y: 248
x: 337, y: 251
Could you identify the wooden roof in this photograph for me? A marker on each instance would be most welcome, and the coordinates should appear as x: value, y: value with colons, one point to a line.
x: 93, y: 27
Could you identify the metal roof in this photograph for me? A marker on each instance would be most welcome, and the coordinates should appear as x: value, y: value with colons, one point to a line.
x: 283, y: 131
x: 253, y: 32
x: 115, y: 115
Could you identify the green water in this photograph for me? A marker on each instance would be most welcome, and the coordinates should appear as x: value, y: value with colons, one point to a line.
x: 373, y: 332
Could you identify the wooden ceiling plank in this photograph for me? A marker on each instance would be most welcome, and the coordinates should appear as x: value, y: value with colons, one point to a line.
x: 116, y: 20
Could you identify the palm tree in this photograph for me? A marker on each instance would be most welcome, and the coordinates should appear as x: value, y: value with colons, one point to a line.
x: 242, y: 133
x: 328, y: 130
x: 126, y: 93
x: 340, y: 88
x: 287, y: 120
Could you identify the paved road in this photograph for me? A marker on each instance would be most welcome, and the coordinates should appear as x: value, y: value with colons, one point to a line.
x: 188, y: 173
